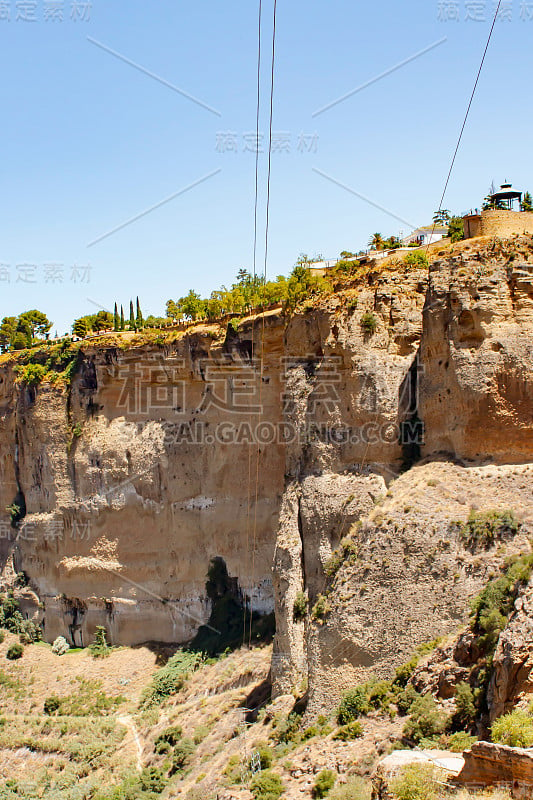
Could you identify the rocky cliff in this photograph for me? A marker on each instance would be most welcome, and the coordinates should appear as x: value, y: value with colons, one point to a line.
x: 270, y: 444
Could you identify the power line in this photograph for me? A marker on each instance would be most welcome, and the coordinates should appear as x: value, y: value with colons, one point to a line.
x: 267, y: 227
x: 253, y: 289
x: 467, y: 114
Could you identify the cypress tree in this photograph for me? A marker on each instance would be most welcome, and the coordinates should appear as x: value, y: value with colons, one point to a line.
x: 116, y: 322
x: 132, y: 317
x: 122, y: 323
x: 139, y: 320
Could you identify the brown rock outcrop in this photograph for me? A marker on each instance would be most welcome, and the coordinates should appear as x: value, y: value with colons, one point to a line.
x: 144, y: 470
x: 489, y: 764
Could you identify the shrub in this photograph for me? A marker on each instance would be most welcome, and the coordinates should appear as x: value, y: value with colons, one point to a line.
x: 405, y: 671
x: 369, y: 323
x: 325, y: 780
x: 201, y: 732
x: 299, y: 609
x: 182, y: 755
x: 406, y: 698
x: 353, y: 730
x: 100, y: 648
x: 51, y: 705
x: 152, y: 780
x: 15, y: 652
x: 379, y: 694
x: 169, y: 736
x: 321, y: 608
x: 490, y: 609
x: 353, y: 789
x: 287, y: 729
x: 169, y: 679
x: 418, y: 259
x: 30, y: 632
x: 354, y: 704
x: 514, y: 729
x: 465, y: 710
x: 417, y: 782
x: 460, y: 741
x: 60, y: 646
x: 266, y: 756
x: 426, y: 720
x: 483, y: 529
x: 32, y: 374
x: 267, y: 786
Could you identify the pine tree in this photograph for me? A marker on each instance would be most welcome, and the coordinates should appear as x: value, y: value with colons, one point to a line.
x: 122, y: 323
x: 527, y: 203
x: 139, y: 319
x: 116, y: 321
x: 132, y: 317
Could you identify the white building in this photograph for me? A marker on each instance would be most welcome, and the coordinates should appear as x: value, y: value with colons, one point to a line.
x: 426, y: 235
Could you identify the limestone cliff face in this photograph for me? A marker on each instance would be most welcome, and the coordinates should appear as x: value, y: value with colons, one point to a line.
x: 163, y: 456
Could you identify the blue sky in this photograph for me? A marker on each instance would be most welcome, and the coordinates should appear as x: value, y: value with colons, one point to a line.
x: 89, y: 141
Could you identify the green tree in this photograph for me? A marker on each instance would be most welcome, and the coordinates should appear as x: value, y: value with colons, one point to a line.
x: 456, y: 229
x: 122, y: 322
x: 132, y: 317
x: 376, y: 242
x: 103, y: 321
x: 116, y: 321
x: 192, y: 306
x: 38, y: 322
x: 7, y: 331
x: 139, y: 316
x: 173, y: 311
x: 442, y: 217
x: 527, y: 202
x: 80, y: 328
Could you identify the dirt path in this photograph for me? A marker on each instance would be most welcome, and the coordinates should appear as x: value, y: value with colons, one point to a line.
x: 127, y: 721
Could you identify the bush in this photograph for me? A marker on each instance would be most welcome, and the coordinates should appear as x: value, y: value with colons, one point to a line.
x: 369, y: 323
x: 51, y: 705
x: 201, y: 732
x: 100, y: 648
x: 426, y: 720
x: 32, y: 374
x: 170, y: 737
x: 287, y: 729
x: 354, y: 704
x: 299, y: 609
x: 354, y: 789
x: 182, y: 755
x: 325, y: 780
x: 405, y: 671
x: 321, y: 608
x: 460, y: 741
x: 15, y: 652
x: 266, y: 756
x: 417, y: 782
x: 465, y: 710
x: 406, y: 698
x: 152, y: 780
x: 490, y: 609
x: 514, y: 729
x: 169, y: 679
x: 267, y: 786
x: 30, y: 632
x: 60, y: 646
x: 483, y: 529
x: 418, y: 259
x: 353, y: 730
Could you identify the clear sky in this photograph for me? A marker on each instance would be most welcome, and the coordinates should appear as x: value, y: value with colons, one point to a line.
x: 89, y: 141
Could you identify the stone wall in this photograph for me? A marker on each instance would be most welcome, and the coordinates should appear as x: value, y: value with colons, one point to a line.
x: 498, y: 223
